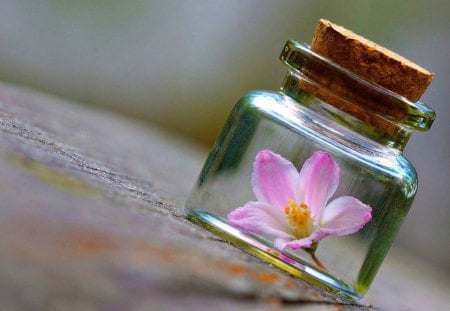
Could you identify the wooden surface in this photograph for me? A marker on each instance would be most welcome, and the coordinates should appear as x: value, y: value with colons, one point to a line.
x: 90, y: 219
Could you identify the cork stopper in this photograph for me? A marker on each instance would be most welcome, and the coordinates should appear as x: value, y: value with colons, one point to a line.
x: 371, y: 62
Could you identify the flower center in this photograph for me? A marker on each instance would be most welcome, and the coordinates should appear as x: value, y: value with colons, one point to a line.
x: 299, y: 217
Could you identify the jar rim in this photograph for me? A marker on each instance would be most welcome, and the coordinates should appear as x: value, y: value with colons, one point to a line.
x: 416, y: 115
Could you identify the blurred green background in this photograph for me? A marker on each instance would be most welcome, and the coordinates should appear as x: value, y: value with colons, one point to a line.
x: 183, y: 64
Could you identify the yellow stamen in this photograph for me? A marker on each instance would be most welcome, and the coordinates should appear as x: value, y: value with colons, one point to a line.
x: 299, y: 217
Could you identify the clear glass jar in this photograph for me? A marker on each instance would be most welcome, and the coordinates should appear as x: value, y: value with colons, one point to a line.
x: 294, y: 124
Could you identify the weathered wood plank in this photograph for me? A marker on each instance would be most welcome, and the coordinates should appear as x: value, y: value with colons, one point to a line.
x: 90, y: 219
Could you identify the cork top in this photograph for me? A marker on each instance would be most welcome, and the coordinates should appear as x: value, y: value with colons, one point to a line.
x: 370, y: 61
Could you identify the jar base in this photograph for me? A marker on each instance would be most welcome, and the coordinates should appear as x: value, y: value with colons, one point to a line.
x: 287, y: 262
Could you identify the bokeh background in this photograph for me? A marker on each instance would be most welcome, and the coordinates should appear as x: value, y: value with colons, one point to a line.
x: 183, y: 64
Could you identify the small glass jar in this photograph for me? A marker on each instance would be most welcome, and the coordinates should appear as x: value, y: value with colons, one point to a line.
x: 312, y: 117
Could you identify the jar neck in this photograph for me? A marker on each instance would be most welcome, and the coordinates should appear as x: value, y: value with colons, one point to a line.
x: 340, y: 95
x: 396, y: 139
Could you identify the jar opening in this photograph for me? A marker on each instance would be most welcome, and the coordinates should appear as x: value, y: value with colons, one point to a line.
x: 352, y: 94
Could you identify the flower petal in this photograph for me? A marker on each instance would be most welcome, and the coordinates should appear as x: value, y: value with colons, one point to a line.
x: 274, y: 179
x: 344, y: 215
x: 261, y: 218
x: 319, y: 178
x: 302, y: 243
x: 280, y: 243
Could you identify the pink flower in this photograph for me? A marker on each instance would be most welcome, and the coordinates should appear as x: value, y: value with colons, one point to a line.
x: 291, y: 206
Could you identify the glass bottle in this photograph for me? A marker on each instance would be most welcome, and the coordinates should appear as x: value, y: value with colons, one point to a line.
x: 366, y: 143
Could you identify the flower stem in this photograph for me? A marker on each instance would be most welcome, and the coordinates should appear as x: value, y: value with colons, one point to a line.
x: 317, y: 261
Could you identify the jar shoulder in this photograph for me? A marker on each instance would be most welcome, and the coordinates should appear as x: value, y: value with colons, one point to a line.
x: 263, y: 101
x: 282, y: 109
